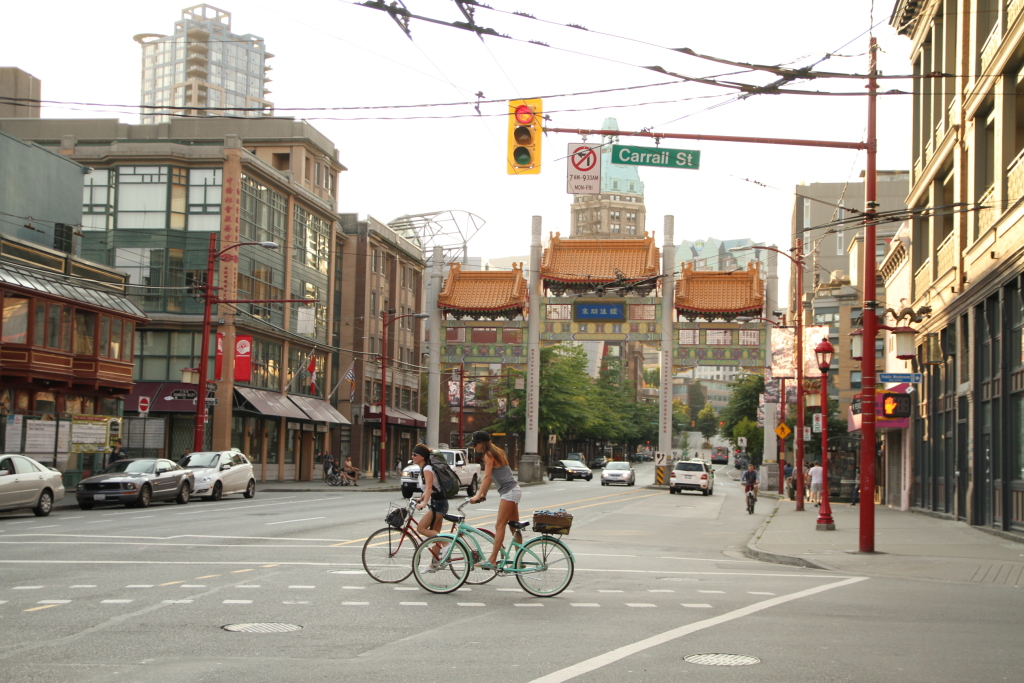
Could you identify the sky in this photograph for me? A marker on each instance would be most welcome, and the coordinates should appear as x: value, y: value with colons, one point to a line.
x: 336, y: 54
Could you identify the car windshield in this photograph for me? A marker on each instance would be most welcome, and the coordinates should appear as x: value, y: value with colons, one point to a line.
x: 206, y: 459
x: 131, y: 466
x: 572, y: 463
x: 617, y: 466
x: 690, y: 466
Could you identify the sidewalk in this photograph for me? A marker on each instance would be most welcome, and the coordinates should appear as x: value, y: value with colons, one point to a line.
x: 907, y: 545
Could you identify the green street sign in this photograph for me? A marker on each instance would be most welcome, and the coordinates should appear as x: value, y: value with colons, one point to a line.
x: 656, y: 156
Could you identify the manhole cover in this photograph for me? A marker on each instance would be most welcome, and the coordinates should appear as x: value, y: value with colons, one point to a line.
x: 722, y: 660
x: 261, y: 628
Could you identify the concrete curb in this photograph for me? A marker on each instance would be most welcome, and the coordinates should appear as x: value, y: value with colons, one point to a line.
x: 755, y: 553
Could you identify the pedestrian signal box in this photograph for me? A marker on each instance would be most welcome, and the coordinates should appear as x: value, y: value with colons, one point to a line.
x: 895, y: 406
x: 525, y: 130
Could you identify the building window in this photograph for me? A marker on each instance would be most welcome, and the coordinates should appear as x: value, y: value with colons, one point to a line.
x: 142, y: 197
x: 204, y: 199
x: 559, y: 311
x: 615, y: 228
x: 307, y: 290
x: 631, y: 218
x: 259, y: 281
x: 85, y: 333
x: 373, y: 260
x: 15, y: 320
x: 615, y: 184
x: 855, y: 379
x: 97, y: 200
x: 614, y: 215
x: 807, y: 213
x: 263, y: 213
x: 266, y: 364
x: 310, y: 239
x: 630, y: 229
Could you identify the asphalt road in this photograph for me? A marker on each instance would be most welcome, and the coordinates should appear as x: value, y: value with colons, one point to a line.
x: 141, y: 595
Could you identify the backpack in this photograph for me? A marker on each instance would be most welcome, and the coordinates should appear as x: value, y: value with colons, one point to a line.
x: 446, y: 477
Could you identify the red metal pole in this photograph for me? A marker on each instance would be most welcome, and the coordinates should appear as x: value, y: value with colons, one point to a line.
x: 204, y: 352
x: 782, y: 442
x: 867, y: 363
x: 715, y: 138
x: 825, y: 521
x: 798, y: 438
x: 383, y: 395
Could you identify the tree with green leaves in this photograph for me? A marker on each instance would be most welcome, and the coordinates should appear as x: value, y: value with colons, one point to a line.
x: 695, y: 398
x: 707, y: 421
x: 755, y: 438
x: 743, y: 403
x: 652, y: 377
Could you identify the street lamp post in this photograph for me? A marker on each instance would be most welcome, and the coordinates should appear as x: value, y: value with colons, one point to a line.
x: 209, y: 298
x: 385, y: 321
x: 798, y: 438
x: 824, y: 352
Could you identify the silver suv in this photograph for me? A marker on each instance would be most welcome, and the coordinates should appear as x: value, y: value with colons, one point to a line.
x: 692, y: 475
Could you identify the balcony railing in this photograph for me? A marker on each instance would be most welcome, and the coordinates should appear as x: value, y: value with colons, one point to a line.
x: 917, y: 169
x: 991, y: 46
x: 940, y: 128
x: 1015, y: 178
x: 945, y: 255
x: 923, y: 279
x: 988, y: 215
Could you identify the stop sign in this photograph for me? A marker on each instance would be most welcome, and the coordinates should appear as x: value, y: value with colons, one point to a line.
x: 144, y: 404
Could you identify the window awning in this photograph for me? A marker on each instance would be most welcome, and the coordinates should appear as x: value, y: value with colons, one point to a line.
x: 319, y: 410
x: 396, y: 416
x: 270, y: 403
x: 166, y: 401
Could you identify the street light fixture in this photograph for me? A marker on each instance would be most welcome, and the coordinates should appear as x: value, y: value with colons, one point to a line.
x: 824, y: 352
x: 798, y: 438
x: 385, y: 322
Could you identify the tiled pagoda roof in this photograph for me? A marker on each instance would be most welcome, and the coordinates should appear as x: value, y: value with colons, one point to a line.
x: 484, y: 291
x: 599, y: 260
x: 714, y: 294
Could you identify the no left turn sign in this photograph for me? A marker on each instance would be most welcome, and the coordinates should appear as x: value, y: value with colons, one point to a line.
x: 583, y: 170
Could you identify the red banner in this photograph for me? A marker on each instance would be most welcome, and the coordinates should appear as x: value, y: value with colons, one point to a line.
x: 243, y: 358
x: 219, y: 357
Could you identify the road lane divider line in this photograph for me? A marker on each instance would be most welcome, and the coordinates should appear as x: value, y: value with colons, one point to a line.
x: 239, y: 571
x: 171, y: 583
x: 594, y: 663
x: 36, y: 609
x: 573, y: 502
x: 208, y: 576
x: 292, y: 521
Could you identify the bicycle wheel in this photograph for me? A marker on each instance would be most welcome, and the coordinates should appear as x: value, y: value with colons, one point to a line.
x: 478, y: 577
x: 441, y: 564
x: 750, y: 504
x: 552, y: 566
x: 387, y: 555
x: 333, y: 479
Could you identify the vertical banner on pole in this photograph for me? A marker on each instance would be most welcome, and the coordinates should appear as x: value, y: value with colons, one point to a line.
x: 243, y: 358
x: 219, y: 358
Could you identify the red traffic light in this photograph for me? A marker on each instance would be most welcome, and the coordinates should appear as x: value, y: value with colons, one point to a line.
x: 524, y: 115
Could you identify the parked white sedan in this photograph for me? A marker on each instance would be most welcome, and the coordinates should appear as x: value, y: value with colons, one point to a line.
x: 219, y: 473
x: 25, y: 483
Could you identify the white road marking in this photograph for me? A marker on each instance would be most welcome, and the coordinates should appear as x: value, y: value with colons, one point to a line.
x: 84, y: 585
x: 53, y: 602
x: 464, y: 588
x: 527, y: 604
x: 289, y: 521
x: 48, y: 526
x: 639, y: 604
x: 296, y: 602
x: 760, y: 593
x: 413, y: 604
x: 697, y: 605
x: 139, y: 585
x: 193, y: 585
x: 511, y: 590
x: 177, y: 602
x: 143, y: 517
x: 600, y: 555
x: 64, y: 519
x: 302, y: 586
x: 406, y: 588
x: 584, y: 604
x: 115, y: 602
x: 3, y: 602
x: 348, y: 571
x: 661, y: 590
x: 711, y: 591
x: 238, y: 602
x: 347, y: 588
x: 708, y: 559
x: 355, y: 603
x: 26, y: 588
x: 610, y: 591
x: 615, y: 655
x: 470, y: 604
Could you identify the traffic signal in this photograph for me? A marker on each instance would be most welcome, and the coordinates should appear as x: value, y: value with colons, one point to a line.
x: 895, y: 406
x: 524, y: 136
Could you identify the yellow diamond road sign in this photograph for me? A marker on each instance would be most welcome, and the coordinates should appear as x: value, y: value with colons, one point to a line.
x: 783, y: 431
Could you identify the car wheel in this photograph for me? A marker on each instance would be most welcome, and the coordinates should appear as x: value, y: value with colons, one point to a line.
x: 85, y: 506
x: 704, y: 492
x: 250, y: 490
x: 44, y: 505
x: 145, y: 497
x: 184, y: 493
x: 568, y: 477
x: 671, y: 490
x: 218, y: 492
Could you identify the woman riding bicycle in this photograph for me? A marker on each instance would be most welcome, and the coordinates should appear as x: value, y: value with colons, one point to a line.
x: 750, y: 479
x: 496, y: 468
x: 430, y: 523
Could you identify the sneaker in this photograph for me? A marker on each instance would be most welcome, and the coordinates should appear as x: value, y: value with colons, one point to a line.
x: 431, y: 569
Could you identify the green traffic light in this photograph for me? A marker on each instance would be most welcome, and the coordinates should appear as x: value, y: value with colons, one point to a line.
x: 522, y: 156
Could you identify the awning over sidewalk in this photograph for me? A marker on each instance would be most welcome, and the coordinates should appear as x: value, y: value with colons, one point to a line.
x: 319, y: 410
x: 396, y: 416
x: 140, y: 389
x: 270, y: 403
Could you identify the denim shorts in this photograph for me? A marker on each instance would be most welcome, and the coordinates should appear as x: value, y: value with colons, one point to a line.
x: 438, y: 503
x: 515, y: 495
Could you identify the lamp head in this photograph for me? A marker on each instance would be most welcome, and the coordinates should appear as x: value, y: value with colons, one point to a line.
x: 421, y: 316
x: 824, y: 351
x: 270, y: 245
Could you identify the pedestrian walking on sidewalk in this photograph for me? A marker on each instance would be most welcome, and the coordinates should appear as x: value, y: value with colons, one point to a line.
x: 788, y: 474
x: 815, y: 474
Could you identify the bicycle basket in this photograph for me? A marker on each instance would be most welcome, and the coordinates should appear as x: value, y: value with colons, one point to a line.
x: 396, y: 516
x: 552, y: 524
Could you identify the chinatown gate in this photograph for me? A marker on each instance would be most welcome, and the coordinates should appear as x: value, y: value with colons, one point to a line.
x: 609, y: 290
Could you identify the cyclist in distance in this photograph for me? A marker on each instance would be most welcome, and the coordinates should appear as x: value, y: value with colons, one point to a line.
x: 496, y: 469
x: 430, y: 524
x: 750, y: 479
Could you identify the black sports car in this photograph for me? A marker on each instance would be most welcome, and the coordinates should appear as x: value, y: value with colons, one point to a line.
x: 569, y: 470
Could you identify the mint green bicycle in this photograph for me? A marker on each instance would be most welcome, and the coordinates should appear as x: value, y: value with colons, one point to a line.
x: 543, y: 565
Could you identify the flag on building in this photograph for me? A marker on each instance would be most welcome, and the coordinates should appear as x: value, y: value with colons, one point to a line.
x: 351, y: 377
x: 311, y: 369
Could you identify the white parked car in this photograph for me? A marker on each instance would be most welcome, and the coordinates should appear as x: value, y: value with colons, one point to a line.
x: 469, y: 473
x: 692, y: 475
x: 25, y: 483
x: 618, y: 473
x: 219, y: 473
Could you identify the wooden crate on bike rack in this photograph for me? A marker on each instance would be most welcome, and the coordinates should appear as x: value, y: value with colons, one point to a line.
x: 552, y: 524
